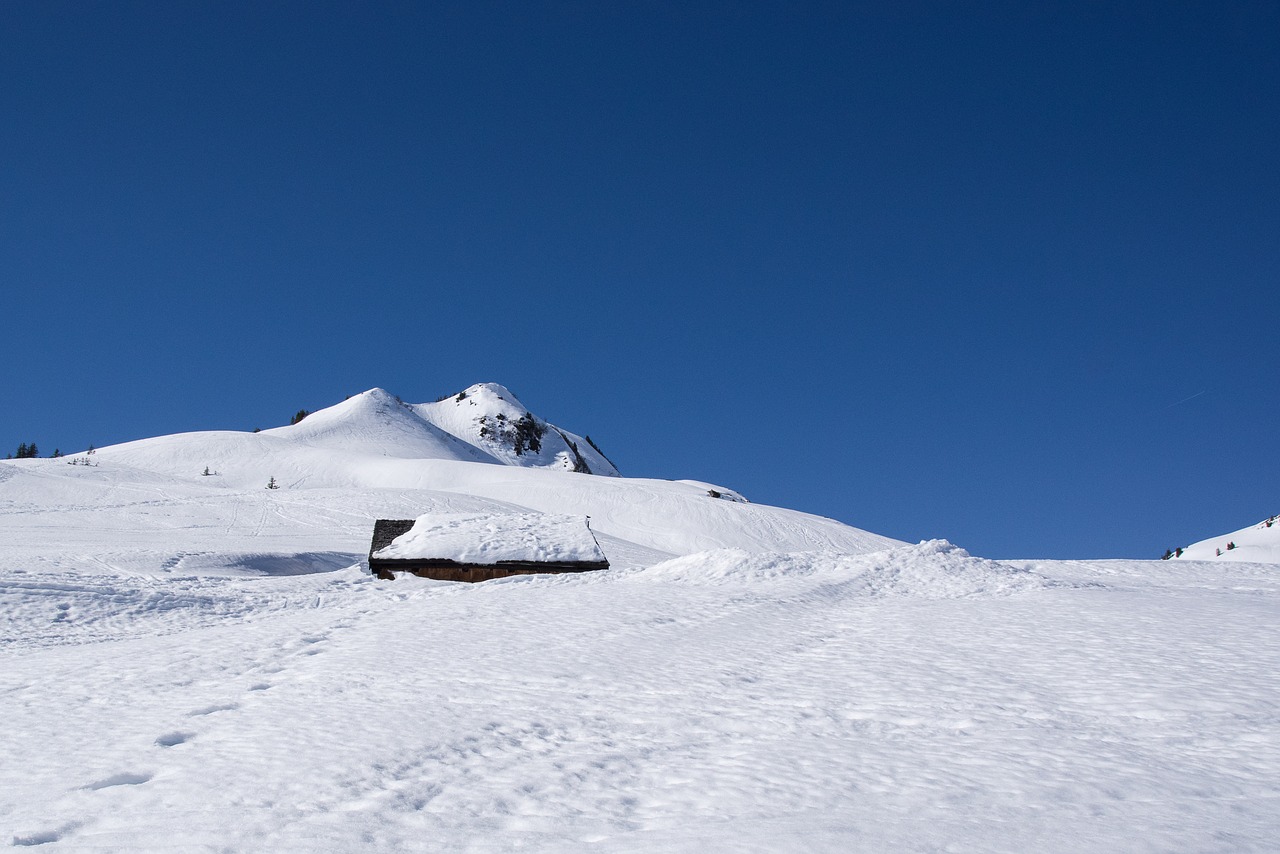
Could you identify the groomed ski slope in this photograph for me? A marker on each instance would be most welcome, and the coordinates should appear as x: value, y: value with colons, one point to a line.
x: 197, y: 663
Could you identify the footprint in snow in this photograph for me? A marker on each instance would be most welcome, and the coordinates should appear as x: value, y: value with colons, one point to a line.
x: 44, y: 837
x: 128, y: 778
x: 209, y: 710
x: 172, y: 739
x: 306, y: 645
x: 260, y: 686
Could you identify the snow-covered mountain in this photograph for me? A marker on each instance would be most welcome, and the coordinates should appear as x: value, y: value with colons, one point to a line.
x: 483, y: 423
x: 489, y: 418
x: 195, y: 662
x: 1258, y: 543
x: 374, y: 456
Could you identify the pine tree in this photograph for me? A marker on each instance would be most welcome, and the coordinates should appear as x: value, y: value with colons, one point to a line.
x: 271, y: 484
x: 528, y: 433
x: 600, y: 452
x: 22, y: 451
x: 298, y: 416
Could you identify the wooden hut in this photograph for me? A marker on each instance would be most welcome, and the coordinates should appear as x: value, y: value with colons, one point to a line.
x: 480, y: 547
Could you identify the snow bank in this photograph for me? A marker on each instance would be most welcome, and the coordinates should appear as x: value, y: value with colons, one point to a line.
x: 496, y: 537
x: 934, y: 569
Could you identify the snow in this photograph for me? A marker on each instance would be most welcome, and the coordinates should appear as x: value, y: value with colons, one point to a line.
x: 1258, y: 543
x: 200, y: 664
x: 491, y: 538
x: 461, y: 416
x: 378, y: 422
x: 933, y: 570
x: 715, y: 491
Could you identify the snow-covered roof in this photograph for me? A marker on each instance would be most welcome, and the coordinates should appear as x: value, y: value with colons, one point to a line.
x: 488, y: 539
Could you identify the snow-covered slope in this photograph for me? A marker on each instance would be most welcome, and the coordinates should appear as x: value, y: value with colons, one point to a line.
x: 915, y: 699
x: 490, y: 418
x: 372, y: 456
x: 194, y: 662
x: 1258, y: 543
x: 485, y: 424
x: 377, y: 422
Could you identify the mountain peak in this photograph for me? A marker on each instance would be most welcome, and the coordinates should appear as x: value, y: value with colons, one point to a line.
x: 491, y: 390
x: 484, y: 422
x: 491, y: 419
x: 377, y: 393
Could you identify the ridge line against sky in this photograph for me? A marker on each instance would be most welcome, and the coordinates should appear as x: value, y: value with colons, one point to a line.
x: 995, y: 272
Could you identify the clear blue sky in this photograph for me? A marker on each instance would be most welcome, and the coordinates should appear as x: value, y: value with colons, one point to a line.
x: 1004, y: 273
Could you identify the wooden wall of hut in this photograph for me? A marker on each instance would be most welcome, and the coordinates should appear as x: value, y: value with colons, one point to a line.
x: 447, y: 570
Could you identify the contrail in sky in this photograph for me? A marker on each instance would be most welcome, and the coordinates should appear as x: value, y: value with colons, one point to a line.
x: 1179, y: 403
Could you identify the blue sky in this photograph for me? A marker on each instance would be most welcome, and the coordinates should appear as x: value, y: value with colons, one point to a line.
x: 1004, y: 273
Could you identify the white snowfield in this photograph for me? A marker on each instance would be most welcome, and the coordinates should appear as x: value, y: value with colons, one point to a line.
x: 1258, y: 543
x: 197, y: 663
x: 490, y: 538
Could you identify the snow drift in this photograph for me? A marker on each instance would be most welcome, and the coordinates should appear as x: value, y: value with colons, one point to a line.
x: 931, y: 570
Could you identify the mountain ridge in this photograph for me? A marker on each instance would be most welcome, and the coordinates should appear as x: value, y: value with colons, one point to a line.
x: 374, y: 456
x: 1257, y: 543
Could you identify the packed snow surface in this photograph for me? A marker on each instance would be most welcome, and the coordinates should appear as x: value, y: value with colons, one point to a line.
x: 193, y: 662
x: 491, y: 538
